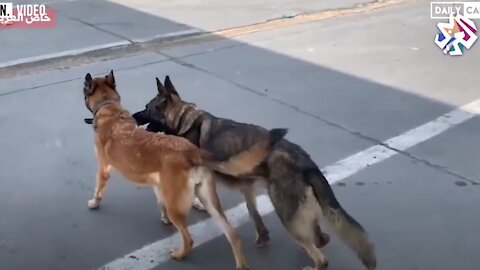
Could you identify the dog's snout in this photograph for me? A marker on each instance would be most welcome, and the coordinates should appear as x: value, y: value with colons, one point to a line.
x: 140, y: 118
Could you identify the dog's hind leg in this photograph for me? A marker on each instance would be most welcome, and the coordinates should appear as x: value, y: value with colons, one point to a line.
x: 163, y: 211
x: 300, y: 223
x: 262, y: 232
x: 302, y: 229
x: 208, y: 195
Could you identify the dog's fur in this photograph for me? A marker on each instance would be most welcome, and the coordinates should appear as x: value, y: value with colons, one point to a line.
x: 175, y: 168
x: 299, y: 191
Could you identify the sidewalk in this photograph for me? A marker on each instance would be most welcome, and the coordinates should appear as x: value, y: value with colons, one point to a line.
x: 90, y: 25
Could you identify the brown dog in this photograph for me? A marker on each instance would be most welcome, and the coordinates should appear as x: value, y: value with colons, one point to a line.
x: 172, y: 165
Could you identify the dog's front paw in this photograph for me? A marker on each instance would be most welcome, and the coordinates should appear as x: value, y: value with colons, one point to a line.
x: 178, y: 254
x: 93, y: 204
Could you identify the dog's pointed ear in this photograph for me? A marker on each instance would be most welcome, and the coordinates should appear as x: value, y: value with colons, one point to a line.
x: 169, y: 86
x: 88, y: 78
x: 110, y: 79
x: 161, y: 89
x: 88, y: 85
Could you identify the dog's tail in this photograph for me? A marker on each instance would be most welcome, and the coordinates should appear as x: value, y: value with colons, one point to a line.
x: 349, y: 230
x: 247, y: 160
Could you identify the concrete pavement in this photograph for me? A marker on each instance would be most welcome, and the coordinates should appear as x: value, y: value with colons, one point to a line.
x: 214, y: 15
x: 91, y: 25
x: 341, y: 86
x: 84, y: 26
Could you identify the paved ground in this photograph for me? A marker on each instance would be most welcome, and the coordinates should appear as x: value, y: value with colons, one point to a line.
x: 85, y: 25
x: 341, y: 86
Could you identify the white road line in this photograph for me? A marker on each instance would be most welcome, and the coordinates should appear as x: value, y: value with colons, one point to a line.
x: 351, y: 165
x: 154, y: 254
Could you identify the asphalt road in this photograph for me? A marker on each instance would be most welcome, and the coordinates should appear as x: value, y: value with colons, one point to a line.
x: 340, y: 85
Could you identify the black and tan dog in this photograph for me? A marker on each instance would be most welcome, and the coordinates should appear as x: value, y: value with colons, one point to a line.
x: 297, y: 188
x: 173, y: 166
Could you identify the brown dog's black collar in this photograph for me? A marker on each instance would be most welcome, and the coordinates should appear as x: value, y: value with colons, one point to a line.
x: 101, y: 104
x: 97, y: 108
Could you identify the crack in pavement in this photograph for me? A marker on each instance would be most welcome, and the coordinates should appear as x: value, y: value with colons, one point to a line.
x: 437, y: 167
x: 99, y: 28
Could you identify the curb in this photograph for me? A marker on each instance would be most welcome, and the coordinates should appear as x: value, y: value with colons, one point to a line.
x: 90, y: 49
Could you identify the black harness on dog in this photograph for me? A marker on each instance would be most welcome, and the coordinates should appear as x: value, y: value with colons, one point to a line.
x: 95, y: 110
